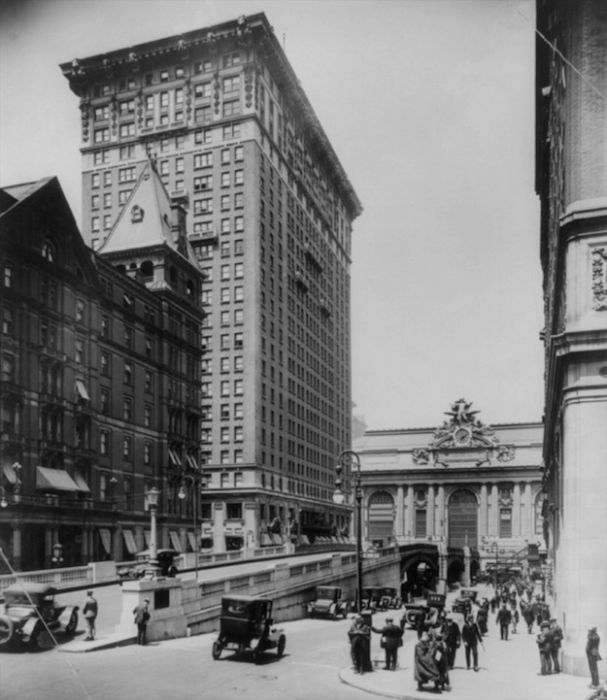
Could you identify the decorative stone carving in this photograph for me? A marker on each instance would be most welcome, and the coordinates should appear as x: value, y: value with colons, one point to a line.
x: 505, y: 453
x: 599, y: 279
x: 463, y: 429
x: 420, y: 456
x: 136, y: 214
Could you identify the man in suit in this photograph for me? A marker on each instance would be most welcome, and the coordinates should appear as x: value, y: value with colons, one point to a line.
x: 452, y: 637
x: 391, y: 639
x: 89, y: 610
x: 503, y: 619
x: 471, y: 636
x: 142, y: 615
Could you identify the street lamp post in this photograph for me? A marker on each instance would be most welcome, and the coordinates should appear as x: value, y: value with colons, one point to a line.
x: 345, y: 460
x: 153, y: 495
x: 496, y: 546
x: 194, y: 482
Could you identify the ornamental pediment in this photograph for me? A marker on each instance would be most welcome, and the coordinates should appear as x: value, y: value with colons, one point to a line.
x: 463, y: 438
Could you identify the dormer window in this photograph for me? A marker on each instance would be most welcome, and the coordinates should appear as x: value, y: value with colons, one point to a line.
x: 48, y: 251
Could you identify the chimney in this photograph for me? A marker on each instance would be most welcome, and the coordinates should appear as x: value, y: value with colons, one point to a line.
x: 179, y: 200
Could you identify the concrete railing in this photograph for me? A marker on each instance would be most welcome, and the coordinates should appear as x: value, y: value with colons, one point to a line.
x: 95, y: 572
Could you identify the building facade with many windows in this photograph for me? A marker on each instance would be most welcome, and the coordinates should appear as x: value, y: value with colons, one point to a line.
x: 100, y: 378
x: 270, y: 213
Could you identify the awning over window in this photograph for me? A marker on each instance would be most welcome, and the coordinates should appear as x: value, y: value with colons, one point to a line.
x: 81, y: 483
x: 10, y: 473
x: 265, y: 539
x: 192, y: 541
x: 81, y: 390
x: 129, y: 541
x: 148, y: 536
x: 276, y: 539
x: 175, y: 541
x: 55, y: 480
x: 192, y: 462
x: 106, y: 539
x: 174, y: 457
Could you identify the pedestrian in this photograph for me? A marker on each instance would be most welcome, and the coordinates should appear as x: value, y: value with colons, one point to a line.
x: 515, y: 618
x: 360, y: 635
x: 543, y: 645
x: 420, y: 622
x: 439, y: 654
x: 453, y: 639
x: 471, y: 636
x: 142, y: 615
x: 424, y: 666
x: 556, y: 637
x: 529, y: 617
x: 481, y: 618
x: 391, y: 639
x: 503, y: 619
x: 90, y: 610
x: 593, y: 656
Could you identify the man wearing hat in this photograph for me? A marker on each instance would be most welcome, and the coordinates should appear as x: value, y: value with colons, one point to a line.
x: 544, y: 646
x: 556, y: 637
x: 391, y: 639
x: 142, y: 615
x: 89, y: 610
x: 593, y: 656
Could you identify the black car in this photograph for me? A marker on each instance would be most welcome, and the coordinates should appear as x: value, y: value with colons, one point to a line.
x: 166, y: 564
x: 246, y: 625
x: 31, y: 616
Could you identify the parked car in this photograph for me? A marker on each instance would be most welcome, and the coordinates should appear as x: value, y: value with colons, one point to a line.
x: 371, y: 598
x: 463, y: 604
x: 164, y: 557
x: 328, y: 602
x: 31, y: 615
x: 246, y: 625
x: 389, y: 598
x: 411, y: 615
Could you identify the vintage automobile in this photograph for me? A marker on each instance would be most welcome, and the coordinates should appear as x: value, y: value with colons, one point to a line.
x: 463, y: 604
x: 430, y: 607
x: 389, y: 598
x: 328, y: 602
x: 246, y: 625
x: 164, y: 557
x: 31, y: 616
x: 371, y: 598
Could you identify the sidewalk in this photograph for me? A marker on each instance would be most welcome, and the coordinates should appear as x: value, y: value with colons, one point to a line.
x: 508, y: 671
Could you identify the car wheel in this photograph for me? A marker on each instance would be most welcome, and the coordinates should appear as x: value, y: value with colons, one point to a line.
x: 280, y: 647
x: 6, y: 629
x: 257, y: 655
x: 41, y: 639
x: 70, y: 628
x: 217, y: 649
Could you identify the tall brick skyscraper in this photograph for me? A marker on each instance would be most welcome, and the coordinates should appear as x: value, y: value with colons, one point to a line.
x: 270, y: 210
x: 571, y: 148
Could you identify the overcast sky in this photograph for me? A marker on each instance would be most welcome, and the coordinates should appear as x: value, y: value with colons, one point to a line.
x: 429, y: 106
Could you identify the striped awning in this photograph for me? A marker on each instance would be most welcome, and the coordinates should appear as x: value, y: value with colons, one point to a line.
x: 55, y: 480
x: 192, y: 541
x: 175, y: 541
x: 129, y: 541
x: 106, y: 539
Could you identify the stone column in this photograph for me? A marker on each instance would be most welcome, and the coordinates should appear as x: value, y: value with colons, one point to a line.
x: 400, y: 512
x: 494, y: 512
x: 441, y: 528
x: 409, y: 513
x: 516, y: 510
x: 483, y: 529
x: 528, y: 512
x: 580, y: 564
x: 16, y: 525
x: 430, y: 520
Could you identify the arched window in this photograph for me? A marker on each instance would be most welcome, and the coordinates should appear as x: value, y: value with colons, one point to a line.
x: 381, y: 516
x: 463, y: 516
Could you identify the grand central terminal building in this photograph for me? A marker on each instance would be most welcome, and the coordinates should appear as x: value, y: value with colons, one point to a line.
x: 460, y: 499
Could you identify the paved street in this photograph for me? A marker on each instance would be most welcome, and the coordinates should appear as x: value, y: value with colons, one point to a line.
x: 316, y: 666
